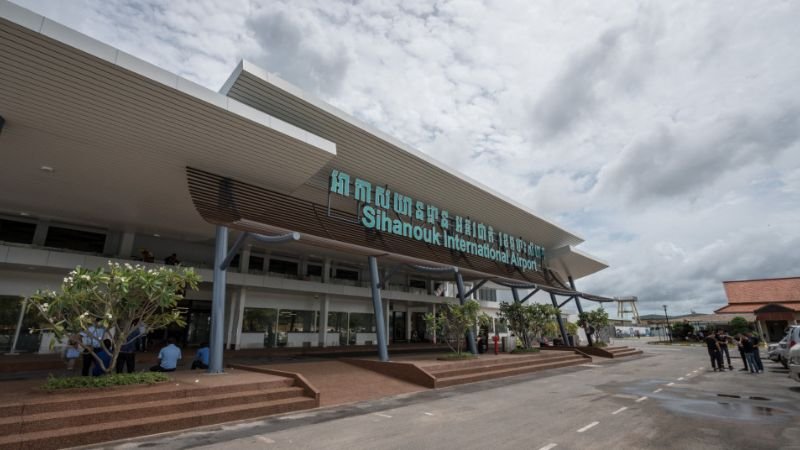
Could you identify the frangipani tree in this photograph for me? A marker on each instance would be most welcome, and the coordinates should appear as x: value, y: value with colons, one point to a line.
x: 454, y: 321
x: 119, y: 296
x: 593, y: 321
x: 527, y: 321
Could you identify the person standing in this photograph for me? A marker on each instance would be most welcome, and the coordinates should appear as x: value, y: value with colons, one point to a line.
x: 127, y: 351
x: 71, y: 353
x: 756, y: 351
x: 747, y: 347
x: 104, y: 355
x: 722, y: 339
x: 714, y: 353
x: 740, y: 346
x: 168, y: 357
x: 91, y: 339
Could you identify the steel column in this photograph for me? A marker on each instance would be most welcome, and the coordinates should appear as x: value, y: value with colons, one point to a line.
x: 515, y: 294
x: 560, y: 321
x: 461, y: 298
x: 22, y: 311
x: 377, y: 305
x: 218, y: 302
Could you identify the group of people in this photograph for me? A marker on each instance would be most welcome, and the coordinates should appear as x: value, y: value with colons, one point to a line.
x: 96, y: 361
x: 747, y: 344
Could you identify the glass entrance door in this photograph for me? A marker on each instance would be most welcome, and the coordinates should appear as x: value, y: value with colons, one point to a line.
x: 398, y: 326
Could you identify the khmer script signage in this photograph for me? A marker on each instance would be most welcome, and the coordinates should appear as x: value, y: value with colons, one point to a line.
x: 395, y: 213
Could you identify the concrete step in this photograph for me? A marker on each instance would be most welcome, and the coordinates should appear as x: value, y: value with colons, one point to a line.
x: 499, y: 365
x: 483, y: 362
x: 630, y: 352
x: 149, y: 424
x: 130, y: 394
x: 491, y: 374
x: 112, y: 412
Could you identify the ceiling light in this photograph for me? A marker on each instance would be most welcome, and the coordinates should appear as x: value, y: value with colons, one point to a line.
x: 47, y: 169
x: 24, y: 214
x: 156, y: 235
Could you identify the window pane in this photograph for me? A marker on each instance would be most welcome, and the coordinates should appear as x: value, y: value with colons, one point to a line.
x: 78, y: 240
x: 295, y: 321
x: 283, y: 267
x: 256, y: 264
x: 345, y: 274
x: 260, y: 320
x: 19, y: 232
x: 337, y: 323
x: 362, y: 328
x: 314, y: 270
x: 419, y: 284
x: 9, y: 315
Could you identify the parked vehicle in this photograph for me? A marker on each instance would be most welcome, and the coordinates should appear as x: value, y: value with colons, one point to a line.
x: 792, y: 337
x: 794, y: 363
x: 773, y: 351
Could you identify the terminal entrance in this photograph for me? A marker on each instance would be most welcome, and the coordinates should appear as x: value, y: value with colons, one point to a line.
x: 398, y: 326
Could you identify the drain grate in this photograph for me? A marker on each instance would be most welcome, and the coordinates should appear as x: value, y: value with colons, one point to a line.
x: 729, y: 395
x: 759, y: 398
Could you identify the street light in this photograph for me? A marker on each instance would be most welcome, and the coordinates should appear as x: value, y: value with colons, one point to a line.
x: 668, y: 329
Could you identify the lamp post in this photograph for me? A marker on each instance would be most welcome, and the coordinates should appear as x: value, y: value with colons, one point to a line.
x: 669, y: 332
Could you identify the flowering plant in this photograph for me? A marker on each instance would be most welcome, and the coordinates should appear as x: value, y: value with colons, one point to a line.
x: 107, y: 303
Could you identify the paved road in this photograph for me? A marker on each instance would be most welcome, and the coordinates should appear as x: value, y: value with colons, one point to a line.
x: 668, y: 399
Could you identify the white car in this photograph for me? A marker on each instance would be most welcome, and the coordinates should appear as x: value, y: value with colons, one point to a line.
x: 784, y: 346
x: 794, y: 363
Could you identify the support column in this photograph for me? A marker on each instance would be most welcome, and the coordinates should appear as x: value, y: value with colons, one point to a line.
x: 230, y: 324
x: 324, y: 304
x: 380, y: 323
x: 22, y: 310
x: 471, y: 332
x: 125, y: 250
x: 434, y: 323
x: 326, y: 270
x: 560, y: 320
x: 408, y: 322
x: 580, y: 308
x: 237, y: 331
x: 515, y: 293
x: 218, y: 302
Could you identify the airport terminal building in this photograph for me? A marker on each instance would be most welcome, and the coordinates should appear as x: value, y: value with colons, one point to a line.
x: 322, y: 230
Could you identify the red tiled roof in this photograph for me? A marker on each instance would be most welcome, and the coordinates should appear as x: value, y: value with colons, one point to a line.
x: 777, y: 290
x: 751, y: 307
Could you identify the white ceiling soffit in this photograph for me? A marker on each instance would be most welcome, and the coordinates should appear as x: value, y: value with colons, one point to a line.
x: 568, y: 261
x: 119, y: 132
x: 367, y: 153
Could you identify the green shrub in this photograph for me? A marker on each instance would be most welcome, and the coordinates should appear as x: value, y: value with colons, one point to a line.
x: 121, y: 379
x: 600, y: 344
x: 525, y: 350
x: 456, y: 357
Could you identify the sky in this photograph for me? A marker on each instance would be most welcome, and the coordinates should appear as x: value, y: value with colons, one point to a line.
x: 666, y: 134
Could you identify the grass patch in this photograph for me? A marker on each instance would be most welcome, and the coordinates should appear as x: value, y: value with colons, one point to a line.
x: 456, y: 357
x: 121, y: 379
x: 525, y: 350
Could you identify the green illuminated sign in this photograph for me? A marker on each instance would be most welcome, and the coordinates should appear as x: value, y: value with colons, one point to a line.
x: 392, y: 212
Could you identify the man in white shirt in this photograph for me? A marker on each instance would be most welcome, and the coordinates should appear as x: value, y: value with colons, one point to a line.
x: 168, y: 358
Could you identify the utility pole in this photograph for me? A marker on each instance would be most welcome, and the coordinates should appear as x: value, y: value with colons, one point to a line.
x: 669, y: 331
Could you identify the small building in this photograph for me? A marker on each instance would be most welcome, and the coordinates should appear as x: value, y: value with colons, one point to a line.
x: 775, y: 303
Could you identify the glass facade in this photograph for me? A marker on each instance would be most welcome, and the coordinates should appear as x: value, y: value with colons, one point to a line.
x: 360, y: 323
x: 16, y: 231
x: 261, y: 320
x: 295, y: 321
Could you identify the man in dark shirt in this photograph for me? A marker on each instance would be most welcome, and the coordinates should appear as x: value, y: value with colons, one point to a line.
x: 127, y: 351
x: 714, y: 353
x: 104, y: 354
x: 756, y: 351
x: 747, y: 348
x: 739, y: 339
x: 722, y: 339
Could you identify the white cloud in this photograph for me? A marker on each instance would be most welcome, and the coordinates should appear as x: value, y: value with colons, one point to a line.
x: 665, y: 133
